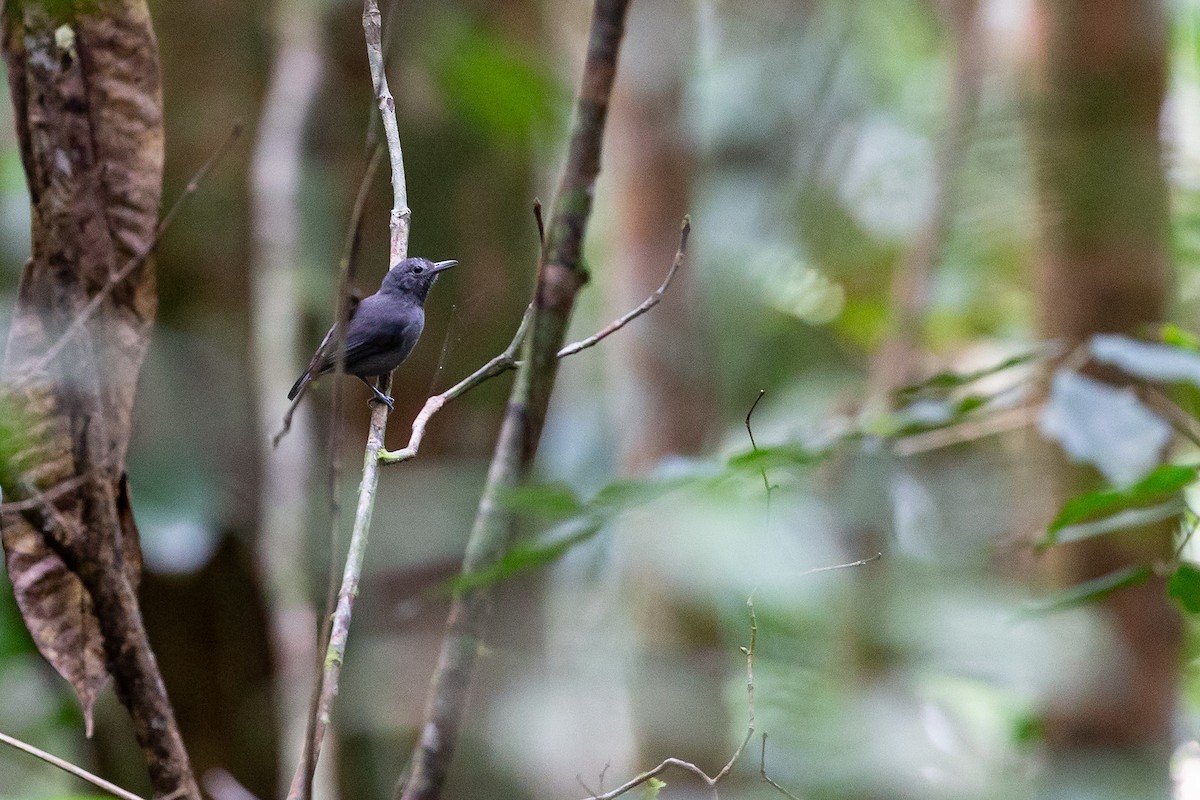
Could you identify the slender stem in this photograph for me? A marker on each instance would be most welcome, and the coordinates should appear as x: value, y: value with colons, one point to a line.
x: 339, y: 631
x: 497, y: 366
x: 508, y: 359
x: 560, y: 276
x: 401, y: 215
x: 650, y: 302
x: 862, y: 562
x: 67, y: 766
x: 335, y: 650
x: 762, y: 771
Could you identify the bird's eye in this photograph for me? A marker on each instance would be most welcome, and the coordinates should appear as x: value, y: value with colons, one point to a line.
x: 418, y: 270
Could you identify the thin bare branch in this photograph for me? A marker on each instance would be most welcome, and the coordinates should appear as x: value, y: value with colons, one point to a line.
x: 1000, y: 422
x: 67, y: 766
x: 754, y: 446
x: 508, y: 359
x: 1183, y: 422
x: 401, y: 216
x: 649, y: 303
x: 633, y: 783
x: 497, y: 366
x: 541, y: 225
x: 560, y: 277
x: 862, y: 562
x: 749, y: 414
x: 762, y: 770
x: 339, y: 630
x: 710, y: 781
x: 139, y: 258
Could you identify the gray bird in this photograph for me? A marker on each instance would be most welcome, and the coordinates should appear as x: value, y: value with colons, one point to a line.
x: 382, y: 330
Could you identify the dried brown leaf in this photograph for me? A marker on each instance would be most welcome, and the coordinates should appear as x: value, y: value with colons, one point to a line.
x: 87, y: 98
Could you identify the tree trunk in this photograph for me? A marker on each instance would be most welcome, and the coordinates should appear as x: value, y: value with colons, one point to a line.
x: 87, y: 99
x: 1104, y: 266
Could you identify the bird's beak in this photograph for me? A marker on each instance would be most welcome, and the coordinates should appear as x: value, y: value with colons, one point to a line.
x: 441, y: 265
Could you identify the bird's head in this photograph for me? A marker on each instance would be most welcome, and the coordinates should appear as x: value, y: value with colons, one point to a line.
x: 414, y: 276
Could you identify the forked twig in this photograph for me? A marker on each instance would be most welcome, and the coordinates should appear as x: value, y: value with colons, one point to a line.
x: 508, y: 359
x: 497, y: 366
x: 762, y: 771
x: 710, y: 781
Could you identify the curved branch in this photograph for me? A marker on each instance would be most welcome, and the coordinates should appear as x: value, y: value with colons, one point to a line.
x: 508, y: 359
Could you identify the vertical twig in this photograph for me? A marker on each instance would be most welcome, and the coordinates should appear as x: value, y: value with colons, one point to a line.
x: 339, y: 630
x: 560, y: 276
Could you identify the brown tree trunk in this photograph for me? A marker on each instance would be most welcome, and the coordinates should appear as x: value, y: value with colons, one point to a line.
x: 1104, y: 266
x: 87, y: 100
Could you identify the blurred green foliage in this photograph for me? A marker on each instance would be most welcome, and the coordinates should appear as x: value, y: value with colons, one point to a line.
x: 495, y: 85
x: 811, y: 131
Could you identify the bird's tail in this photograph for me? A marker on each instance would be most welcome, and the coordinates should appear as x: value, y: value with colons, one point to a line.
x: 299, y: 385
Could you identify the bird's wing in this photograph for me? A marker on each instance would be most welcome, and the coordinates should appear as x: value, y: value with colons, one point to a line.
x: 372, y: 333
x: 381, y: 336
x: 324, y: 358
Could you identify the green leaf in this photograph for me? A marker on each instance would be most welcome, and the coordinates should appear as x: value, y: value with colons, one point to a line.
x: 1184, y: 586
x: 653, y: 787
x: 524, y: 556
x: 1120, y: 521
x: 945, y: 381
x: 1165, y: 480
x: 1178, y: 337
x: 1090, y: 591
x: 496, y: 87
x: 784, y: 455
x: 548, y: 500
x: 622, y: 494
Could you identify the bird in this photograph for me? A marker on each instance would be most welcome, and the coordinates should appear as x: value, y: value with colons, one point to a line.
x: 382, y: 329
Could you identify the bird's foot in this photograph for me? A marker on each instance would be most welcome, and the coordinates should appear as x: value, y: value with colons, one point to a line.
x: 380, y: 397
